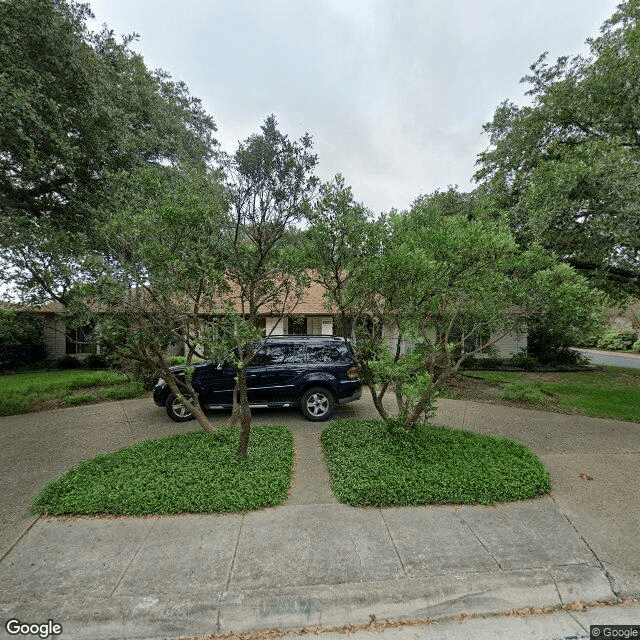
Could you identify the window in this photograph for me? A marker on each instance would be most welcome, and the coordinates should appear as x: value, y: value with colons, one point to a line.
x: 284, y: 353
x: 80, y: 340
x: 324, y: 353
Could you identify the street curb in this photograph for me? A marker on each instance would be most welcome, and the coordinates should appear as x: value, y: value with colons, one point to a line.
x: 295, y: 608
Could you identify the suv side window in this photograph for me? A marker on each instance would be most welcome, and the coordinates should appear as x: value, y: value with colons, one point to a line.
x: 287, y: 353
x: 325, y: 353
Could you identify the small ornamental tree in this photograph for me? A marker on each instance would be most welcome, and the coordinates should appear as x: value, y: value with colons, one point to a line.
x: 269, y: 185
x: 445, y: 281
x: 158, y: 275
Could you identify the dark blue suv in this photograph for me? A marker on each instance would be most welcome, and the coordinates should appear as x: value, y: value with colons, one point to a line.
x: 312, y: 372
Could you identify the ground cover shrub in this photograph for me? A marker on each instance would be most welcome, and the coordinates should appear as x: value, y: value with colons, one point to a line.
x: 524, y: 360
x: 616, y: 339
x: 191, y: 472
x: 373, y: 465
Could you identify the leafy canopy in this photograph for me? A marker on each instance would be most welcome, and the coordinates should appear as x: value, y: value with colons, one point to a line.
x: 567, y: 168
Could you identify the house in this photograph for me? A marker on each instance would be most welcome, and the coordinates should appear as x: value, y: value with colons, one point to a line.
x: 310, y: 316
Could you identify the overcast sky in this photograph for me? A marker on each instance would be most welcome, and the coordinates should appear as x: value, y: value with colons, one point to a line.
x: 393, y: 92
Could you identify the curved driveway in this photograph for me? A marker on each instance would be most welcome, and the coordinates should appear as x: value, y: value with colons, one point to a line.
x: 314, y: 561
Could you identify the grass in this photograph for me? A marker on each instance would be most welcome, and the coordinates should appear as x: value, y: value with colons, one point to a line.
x: 191, y: 472
x: 609, y: 393
x: 427, y: 465
x: 23, y: 392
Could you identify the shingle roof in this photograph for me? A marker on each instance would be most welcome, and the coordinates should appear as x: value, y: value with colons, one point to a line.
x: 312, y: 303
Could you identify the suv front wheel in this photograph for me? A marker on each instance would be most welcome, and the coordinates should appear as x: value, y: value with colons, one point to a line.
x: 177, y: 411
x: 317, y: 404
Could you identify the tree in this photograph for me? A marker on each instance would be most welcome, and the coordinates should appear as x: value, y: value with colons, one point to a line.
x: 567, y: 168
x: 339, y: 241
x: 159, y: 277
x: 449, y: 280
x: 269, y: 184
x: 77, y: 109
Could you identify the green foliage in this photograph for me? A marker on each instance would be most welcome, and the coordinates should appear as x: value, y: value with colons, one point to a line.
x: 79, y: 111
x: 19, y: 328
x: 564, y: 307
x: 616, y: 340
x: 523, y: 392
x: 525, y: 360
x: 21, y: 391
x: 636, y: 346
x: 192, y: 472
x: 566, y: 168
x: 371, y: 465
x: 80, y: 106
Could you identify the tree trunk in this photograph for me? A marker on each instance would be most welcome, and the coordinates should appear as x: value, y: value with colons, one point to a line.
x: 192, y: 404
x: 422, y: 405
x: 245, y: 414
x: 377, y: 402
x: 236, y: 410
x: 401, y: 404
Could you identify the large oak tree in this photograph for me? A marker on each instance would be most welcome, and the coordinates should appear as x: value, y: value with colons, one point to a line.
x: 567, y: 167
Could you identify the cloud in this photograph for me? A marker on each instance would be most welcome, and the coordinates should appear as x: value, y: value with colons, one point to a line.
x: 394, y: 93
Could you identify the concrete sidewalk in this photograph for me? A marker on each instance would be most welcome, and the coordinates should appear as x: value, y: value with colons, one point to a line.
x: 314, y: 561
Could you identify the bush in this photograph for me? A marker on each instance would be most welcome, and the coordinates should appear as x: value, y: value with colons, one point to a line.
x: 68, y: 362
x: 192, y: 472
x: 636, y: 346
x: 20, y: 328
x: 96, y: 361
x: 616, y: 339
x: 474, y: 362
x: 373, y: 465
x: 16, y: 356
x: 524, y: 360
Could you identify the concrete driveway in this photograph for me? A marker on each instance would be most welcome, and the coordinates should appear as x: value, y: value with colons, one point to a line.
x: 314, y: 561
x: 612, y: 358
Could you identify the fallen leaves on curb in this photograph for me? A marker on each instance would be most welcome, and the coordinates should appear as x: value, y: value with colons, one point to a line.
x: 581, y: 605
x: 529, y: 611
x: 378, y: 627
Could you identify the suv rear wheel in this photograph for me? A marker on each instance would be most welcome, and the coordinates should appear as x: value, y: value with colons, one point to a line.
x: 317, y: 404
x: 177, y: 411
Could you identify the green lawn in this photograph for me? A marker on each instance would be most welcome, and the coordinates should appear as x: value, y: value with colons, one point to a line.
x: 608, y: 393
x: 191, y: 472
x: 24, y: 392
x: 428, y: 465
